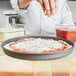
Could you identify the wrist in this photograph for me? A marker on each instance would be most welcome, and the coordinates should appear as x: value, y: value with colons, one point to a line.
x: 23, y: 3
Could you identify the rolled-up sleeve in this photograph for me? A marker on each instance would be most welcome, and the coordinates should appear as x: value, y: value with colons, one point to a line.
x: 66, y: 15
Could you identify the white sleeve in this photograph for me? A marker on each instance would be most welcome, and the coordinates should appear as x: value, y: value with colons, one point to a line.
x: 30, y: 17
x: 66, y: 15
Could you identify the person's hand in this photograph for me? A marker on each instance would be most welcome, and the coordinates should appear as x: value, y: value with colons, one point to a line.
x: 24, y: 3
x: 49, y: 6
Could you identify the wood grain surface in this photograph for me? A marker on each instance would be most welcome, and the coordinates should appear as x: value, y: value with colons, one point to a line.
x: 65, y: 66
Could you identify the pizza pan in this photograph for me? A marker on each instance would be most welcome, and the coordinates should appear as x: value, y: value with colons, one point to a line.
x: 37, y: 56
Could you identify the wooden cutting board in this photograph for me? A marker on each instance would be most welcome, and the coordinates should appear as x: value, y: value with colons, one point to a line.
x: 65, y: 66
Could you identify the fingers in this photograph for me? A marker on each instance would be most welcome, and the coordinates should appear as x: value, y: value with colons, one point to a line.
x: 56, y: 5
x: 52, y: 6
x: 47, y: 7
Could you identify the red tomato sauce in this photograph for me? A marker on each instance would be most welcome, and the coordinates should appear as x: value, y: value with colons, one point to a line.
x: 66, y: 34
x: 24, y: 50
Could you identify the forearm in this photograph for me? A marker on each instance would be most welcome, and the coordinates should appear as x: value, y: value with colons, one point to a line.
x: 23, y: 3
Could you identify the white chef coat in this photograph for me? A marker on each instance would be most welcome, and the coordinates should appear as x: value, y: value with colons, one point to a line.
x: 37, y: 23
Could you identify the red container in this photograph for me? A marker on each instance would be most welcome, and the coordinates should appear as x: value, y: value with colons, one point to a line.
x: 67, y: 33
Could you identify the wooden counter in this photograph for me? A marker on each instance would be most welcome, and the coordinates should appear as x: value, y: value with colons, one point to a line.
x: 65, y: 66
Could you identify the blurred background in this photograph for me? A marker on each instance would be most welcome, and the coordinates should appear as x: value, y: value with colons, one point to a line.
x: 5, y: 5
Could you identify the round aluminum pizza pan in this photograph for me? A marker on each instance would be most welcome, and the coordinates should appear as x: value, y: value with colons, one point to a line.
x: 37, y: 56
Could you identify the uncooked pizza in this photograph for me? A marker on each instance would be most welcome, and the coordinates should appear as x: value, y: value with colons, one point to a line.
x: 38, y: 45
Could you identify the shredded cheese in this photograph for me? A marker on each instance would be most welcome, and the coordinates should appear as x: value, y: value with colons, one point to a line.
x: 38, y: 45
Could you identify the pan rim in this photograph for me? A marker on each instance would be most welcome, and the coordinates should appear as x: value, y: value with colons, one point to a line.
x: 58, y: 52
x: 33, y: 36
